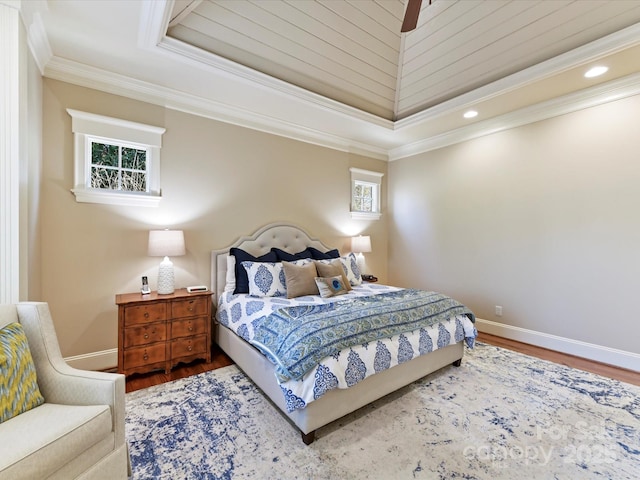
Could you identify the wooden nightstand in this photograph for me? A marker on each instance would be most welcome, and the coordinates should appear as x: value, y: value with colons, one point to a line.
x: 156, y: 332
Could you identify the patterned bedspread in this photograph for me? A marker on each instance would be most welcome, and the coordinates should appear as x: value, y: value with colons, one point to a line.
x: 295, y: 339
x: 350, y: 365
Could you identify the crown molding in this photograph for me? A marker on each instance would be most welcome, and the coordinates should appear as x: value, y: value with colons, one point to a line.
x: 91, y: 77
x: 109, y: 82
x: 589, y: 97
x: 218, y: 65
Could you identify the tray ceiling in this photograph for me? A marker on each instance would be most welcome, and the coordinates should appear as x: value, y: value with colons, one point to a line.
x: 352, y: 51
x: 339, y: 73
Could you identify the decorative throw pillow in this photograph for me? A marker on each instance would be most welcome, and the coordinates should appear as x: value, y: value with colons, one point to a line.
x: 331, y: 286
x: 265, y: 279
x: 331, y: 268
x: 351, y: 268
x: 242, y: 280
x: 318, y: 255
x: 19, y: 390
x: 300, y: 279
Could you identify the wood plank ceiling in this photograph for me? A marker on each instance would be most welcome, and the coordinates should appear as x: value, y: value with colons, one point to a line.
x: 352, y: 51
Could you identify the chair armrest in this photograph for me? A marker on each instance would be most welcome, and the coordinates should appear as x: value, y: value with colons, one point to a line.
x: 65, y: 385
x: 58, y: 382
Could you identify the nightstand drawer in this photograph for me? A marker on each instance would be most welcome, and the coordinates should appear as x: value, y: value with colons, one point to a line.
x: 183, y: 347
x: 188, y: 327
x: 190, y: 307
x: 137, y: 357
x: 158, y: 331
x: 154, y: 332
x: 144, y: 313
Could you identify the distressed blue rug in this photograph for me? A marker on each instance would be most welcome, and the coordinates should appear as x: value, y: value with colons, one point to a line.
x: 501, y: 415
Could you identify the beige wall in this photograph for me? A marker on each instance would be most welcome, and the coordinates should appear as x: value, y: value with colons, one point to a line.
x: 542, y: 220
x: 219, y: 181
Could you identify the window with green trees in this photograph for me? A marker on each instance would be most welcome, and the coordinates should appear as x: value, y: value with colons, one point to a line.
x: 117, y: 161
x: 118, y: 167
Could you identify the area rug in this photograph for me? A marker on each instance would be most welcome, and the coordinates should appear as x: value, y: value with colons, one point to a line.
x: 501, y: 415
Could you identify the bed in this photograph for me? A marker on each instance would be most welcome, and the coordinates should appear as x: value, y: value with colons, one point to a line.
x: 282, y: 382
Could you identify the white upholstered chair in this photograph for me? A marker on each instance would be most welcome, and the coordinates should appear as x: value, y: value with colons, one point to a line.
x: 78, y: 432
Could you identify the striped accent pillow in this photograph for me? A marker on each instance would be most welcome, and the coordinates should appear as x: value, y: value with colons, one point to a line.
x: 19, y: 390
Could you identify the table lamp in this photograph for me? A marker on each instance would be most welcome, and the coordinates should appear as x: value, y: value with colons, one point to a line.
x: 166, y: 243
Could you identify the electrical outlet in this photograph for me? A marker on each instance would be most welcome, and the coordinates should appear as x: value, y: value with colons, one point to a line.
x: 498, y: 310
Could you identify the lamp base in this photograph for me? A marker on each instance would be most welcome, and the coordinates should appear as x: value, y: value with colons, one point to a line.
x: 165, y: 277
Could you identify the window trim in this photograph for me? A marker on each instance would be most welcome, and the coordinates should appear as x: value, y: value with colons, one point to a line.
x: 90, y: 127
x: 370, y: 178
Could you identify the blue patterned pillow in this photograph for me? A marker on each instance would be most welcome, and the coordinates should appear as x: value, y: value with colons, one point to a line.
x: 351, y: 269
x: 266, y: 279
x: 242, y: 281
x: 19, y: 390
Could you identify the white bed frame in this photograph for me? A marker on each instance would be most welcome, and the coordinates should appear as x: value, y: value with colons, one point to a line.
x: 335, y: 403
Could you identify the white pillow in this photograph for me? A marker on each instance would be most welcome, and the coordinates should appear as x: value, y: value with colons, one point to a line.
x: 230, y: 284
x: 266, y: 279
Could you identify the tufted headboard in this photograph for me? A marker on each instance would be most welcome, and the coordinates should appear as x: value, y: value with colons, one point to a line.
x: 287, y: 237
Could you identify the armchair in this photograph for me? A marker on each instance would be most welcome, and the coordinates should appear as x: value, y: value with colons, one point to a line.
x: 78, y: 432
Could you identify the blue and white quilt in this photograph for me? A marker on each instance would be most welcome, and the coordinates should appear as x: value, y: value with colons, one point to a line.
x: 373, y: 328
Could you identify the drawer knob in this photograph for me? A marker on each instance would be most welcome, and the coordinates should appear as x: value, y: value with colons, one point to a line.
x: 146, y: 314
x: 189, y: 348
x: 191, y: 328
x: 146, y: 335
x: 145, y: 357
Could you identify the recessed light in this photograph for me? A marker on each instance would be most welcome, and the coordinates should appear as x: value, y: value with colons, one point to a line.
x: 470, y: 114
x: 596, y: 71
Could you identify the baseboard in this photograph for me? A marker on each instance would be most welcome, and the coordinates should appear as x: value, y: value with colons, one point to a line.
x: 108, y: 359
x: 597, y: 353
x: 103, y: 360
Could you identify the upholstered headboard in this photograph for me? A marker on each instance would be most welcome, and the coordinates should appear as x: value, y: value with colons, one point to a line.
x: 287, y: 237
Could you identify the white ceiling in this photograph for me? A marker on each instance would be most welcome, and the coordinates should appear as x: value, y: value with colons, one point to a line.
x: 338, y: 72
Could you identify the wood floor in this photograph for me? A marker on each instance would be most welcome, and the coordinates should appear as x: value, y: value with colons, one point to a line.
x: 138, y: 381
x: 220, y: 359
x: 628, y: 376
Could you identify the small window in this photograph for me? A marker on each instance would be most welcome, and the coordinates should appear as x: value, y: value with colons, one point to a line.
x: 116, y: 161
x: 365, y: 193
x: 118, y: 167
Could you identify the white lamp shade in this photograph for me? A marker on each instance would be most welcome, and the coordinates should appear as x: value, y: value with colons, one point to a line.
x: 361, y: 244
x: 166, y: 243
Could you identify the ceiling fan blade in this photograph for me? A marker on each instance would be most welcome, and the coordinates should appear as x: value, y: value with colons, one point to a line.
x: 411, y: 15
